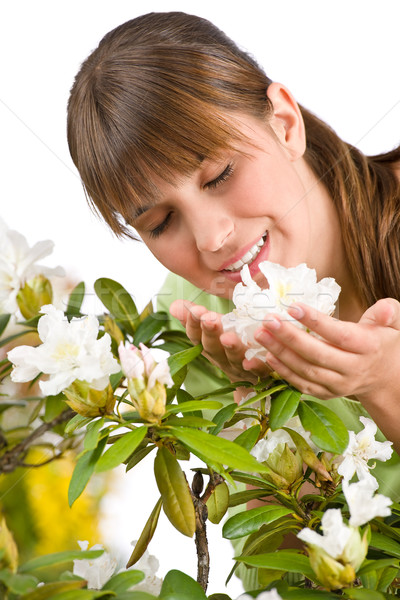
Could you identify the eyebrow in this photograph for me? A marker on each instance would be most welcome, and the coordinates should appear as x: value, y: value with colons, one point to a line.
x: 142, y: 209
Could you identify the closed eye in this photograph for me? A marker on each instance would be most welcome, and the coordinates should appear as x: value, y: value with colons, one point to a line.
x: 226, y: 173
x: 157, y: 231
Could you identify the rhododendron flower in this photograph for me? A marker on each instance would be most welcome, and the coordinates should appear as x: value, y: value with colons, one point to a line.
x: 264, y: 447
x: 96, y: 571
x: 335, y: 534
x: 363, y: 504
x: 361, y: 448
x: 70, y: 351
x: 286, y: 286
x: 149, y: 564
x: 18, y: 265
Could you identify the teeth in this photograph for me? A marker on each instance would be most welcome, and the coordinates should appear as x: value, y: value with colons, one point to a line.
x: 249, y: 256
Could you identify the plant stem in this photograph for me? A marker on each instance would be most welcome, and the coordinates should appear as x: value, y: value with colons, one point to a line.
x: 203, y: 556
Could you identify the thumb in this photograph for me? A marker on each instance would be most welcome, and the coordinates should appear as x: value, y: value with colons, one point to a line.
x: 385, y: 312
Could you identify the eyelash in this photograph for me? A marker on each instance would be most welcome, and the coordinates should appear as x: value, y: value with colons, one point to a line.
x: 226, y: 173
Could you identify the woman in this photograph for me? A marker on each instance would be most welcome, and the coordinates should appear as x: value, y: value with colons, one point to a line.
x: 179, y: 133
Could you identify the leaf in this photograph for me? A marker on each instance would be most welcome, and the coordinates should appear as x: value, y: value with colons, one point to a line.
x: 217, y: 449
x: 222, y: 416
x: 177, y: 584
x: 76, y: 422
x: 249, y: 521
x: 245, y: 496
x: 121, y: 449
x: 92, y: 434
x: 4, y: 319
x: 83, y: 471
x: 50, y: 591
x: 149, y: 327
x: 327, y: 430
x: 123, y: 581
x: 364, y: 594
x: 16, y: 583
x: 54, y: 407
x: 248, y: 437
x: 58, y: 558
x: 286, y: 560
x: 382, y: 542
x: 283, y: 407
x: 192, y: 405
x: 139, y: 455
x: 146, y: 535
x: 75, y: 301
x: 218, y: 503
x: 375, y: 565
x: 180, y: 359
x: 174, y: 490
x: 196, y: 422
x: 117, y: 300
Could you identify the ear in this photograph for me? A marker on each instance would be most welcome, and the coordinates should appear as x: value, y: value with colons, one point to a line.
x: 287, y: 121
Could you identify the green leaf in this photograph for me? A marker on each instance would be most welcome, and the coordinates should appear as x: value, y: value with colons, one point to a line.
x: 76, y: 422
x: 249, y: 521
x: 179, y: 585
x: 92, y: 434
x: 4, y: 319
x: 248, y: 437
x: 218, y: 503
x: 58, y: 558
x: 283, y: 407
x: 149, y: 327
x: 50, y: 591
x: 222, y: 416
x: 117, y: 300
x: 217, y: 449
x: 123, y: 581
x: 286, y: 560
x: 83, y: 471
x: 139, y: 455
x: 375, y: 565
x: 364, y: 594
x: 175, y: 493
x: 245, y: 496
x: 180, y: 359
x: 54, y: 407
x: 327, y: 430
x: 196, y: 422
x: 75, y: 301
x: 382, y: 542
x: 121, y: 449
x: 192, y: 405
x: 16, y: 583
x: 146, y: 535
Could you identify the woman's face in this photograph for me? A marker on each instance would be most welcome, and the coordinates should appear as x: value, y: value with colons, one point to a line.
x: 259, y: 203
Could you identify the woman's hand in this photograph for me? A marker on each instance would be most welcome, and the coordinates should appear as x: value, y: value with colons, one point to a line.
x: 225, y: 350
x: 353, y: 359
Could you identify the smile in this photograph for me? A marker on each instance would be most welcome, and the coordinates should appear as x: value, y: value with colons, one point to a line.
x: 250, y: 255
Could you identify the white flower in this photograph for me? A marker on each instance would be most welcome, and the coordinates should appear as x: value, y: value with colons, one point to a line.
x: 96, y: 571
x: 335, y: 533
x: 149, y: 564
x: 264, y: 447
x: 70, y: 351
x: 271, y: 595
x: 140, y: 364
x: 363, y: 447
x: 18, y: 265
x: 286, y: 286
x: 363, y: 504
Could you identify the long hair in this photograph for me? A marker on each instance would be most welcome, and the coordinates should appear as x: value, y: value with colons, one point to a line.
x: 151, y: 102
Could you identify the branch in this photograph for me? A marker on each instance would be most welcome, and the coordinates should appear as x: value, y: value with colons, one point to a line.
x: 15, y: 457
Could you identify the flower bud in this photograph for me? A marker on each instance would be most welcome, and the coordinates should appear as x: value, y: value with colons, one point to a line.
x: 356, y: 549
x: 286, y: 466
x: 89, y: 402
x: 112, y: 328
x: 8, y: 548
x: 150, y: 404
x: 36, y: 293
x: 331, y: 573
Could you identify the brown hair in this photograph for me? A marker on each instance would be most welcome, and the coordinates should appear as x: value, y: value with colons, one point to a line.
x: 150, y: 103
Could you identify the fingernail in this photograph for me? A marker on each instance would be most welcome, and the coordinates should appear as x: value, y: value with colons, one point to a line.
x: 296, y: 311
x: 273, y: 324
x: 208, y: 326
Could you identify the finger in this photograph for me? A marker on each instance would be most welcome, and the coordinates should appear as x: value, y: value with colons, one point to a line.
x: 193, y: 325
x: 297, y: 348
x: 343, y: 334
x: 385, y: 312
x: 180, y: 310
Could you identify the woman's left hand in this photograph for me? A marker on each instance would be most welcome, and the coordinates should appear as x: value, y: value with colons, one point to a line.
x: 352, y: 359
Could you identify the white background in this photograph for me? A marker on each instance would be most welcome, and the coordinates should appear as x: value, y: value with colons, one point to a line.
x: 340, y: 59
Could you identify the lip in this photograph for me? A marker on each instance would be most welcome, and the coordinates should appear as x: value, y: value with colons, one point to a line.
x: 253, y: 268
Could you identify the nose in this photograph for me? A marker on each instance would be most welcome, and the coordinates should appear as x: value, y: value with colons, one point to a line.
x: 211, y: 232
